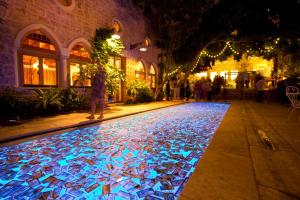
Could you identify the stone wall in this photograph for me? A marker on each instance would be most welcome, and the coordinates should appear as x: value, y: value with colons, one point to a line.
x: 66, y: 24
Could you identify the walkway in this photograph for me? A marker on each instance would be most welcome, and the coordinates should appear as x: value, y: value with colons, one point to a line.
x: 46, y: 124
x: 237, y: 163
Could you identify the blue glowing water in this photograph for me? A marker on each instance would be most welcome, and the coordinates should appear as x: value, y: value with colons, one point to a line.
x: 145, y: 156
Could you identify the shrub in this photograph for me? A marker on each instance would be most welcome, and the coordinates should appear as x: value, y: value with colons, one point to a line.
x: 70, y: 99
x: 49, y: 100
x: 139, y: 92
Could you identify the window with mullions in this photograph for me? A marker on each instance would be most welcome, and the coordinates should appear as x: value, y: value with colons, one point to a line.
x: 140, y: 71
x: 152, y: 78
x: 38, y: 60
x: 115, y: 61
x: 79, y: 59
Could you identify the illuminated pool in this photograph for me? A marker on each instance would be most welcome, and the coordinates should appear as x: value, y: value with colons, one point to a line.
x: 145, y: 156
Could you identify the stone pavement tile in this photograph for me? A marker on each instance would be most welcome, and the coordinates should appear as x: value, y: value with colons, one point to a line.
x: 252, y: 135
x: 222, y: 176
x: 277, y: 169
x: 290, y: 133
x: 255, y: 122
x: 232, y: 124
x: 181, y: 197
x: 266, y: 193
x: 234, y: 142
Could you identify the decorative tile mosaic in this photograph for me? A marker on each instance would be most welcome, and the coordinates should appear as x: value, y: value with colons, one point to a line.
x: 145, y: 156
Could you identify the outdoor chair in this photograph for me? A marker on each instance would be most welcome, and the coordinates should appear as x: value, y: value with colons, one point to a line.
x: 293, y: 93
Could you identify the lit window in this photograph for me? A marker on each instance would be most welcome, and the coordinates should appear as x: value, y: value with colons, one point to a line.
x: 75, y: 75
x: 31, y: 70
x: 39, y: 60
x: 49, y: 71
x: 79, y: 59
x: 39, y: 41
x: 80, y: 52
x: 151, y: 78
x: 140, y: 71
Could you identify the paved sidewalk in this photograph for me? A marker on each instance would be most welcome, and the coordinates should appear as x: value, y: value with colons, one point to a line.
x: 239, y: 165
x: 40, y: 125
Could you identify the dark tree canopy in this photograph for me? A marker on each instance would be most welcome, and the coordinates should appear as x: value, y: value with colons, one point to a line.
x: 187, y: 27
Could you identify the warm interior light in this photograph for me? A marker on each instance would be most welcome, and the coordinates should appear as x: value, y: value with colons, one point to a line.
x: 35, y: 65
x: 143, y: 49
x: 213, y: 75
x: 115, y: 36
x: 234, y: 74
x: 202, y: 74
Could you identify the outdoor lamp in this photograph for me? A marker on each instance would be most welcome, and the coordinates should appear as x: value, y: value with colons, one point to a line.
x: 144, y: 44
x: 116, y: 29
x: 115, y: 36
x: 143, y: 49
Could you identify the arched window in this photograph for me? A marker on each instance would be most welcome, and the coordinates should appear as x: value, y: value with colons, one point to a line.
x: 79, y: 59
x: 38, y: 60
x: 140, y: 71
x: 152, y: 78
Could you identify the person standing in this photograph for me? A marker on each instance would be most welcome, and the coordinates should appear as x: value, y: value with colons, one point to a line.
x: 98, y: 92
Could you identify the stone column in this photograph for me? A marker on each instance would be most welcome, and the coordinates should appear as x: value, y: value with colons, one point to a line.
x: 63, y: 72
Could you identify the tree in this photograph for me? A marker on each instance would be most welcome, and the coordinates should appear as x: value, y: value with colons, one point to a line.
x: 250, y: 26
x: 105, y: 46
x: 263, y: 28
x: 173, y: 22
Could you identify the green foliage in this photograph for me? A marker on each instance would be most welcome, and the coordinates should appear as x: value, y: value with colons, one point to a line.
x: 113, y: 77
x: 56, y: 99
x: 14, y: 104
x: 49, y: 99
x: 71, y: 100
x: 105, y: 46
x: 139, y: 91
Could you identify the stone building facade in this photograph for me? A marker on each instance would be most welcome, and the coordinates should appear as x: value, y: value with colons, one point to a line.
x: 41, y: 41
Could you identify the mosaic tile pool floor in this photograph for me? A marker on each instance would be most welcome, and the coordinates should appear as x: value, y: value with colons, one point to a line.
x: 145, y: 156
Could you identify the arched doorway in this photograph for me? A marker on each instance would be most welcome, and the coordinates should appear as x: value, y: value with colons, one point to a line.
x: 38, y: 60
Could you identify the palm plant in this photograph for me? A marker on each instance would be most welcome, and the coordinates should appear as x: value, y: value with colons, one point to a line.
x: 49, y: 98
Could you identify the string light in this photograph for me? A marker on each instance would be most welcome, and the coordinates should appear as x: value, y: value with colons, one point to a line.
x: 203, y: 53
x: 174, y: 71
